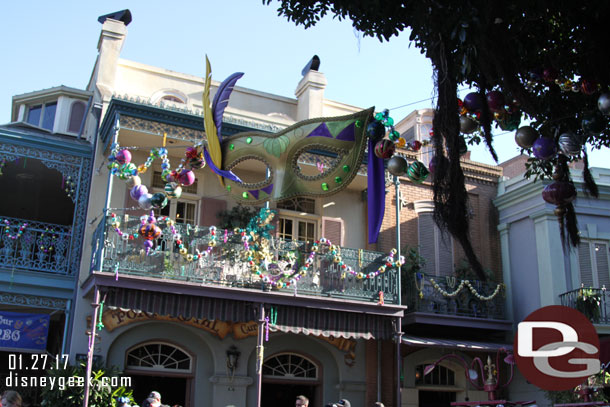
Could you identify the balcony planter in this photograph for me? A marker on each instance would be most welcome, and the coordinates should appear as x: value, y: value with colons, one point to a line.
x: 588, y: 302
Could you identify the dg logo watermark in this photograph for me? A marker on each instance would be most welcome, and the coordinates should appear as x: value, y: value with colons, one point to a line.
x: 557, y: 348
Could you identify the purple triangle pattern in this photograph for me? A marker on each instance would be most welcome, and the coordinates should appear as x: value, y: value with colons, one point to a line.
x: 347, y: 134
x: 268, y: 189
x: 254, y: 193
x: 320, y: 131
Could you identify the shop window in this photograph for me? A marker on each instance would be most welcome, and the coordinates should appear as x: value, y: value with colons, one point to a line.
x: 290, y: 366
x: 439, y: 376
x: 158, y: 357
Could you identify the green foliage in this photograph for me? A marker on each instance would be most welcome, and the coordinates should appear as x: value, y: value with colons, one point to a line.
x: 236, y: 217
x: 588, y: 302
x: 69, y: 389
x: 413, y: 261
x: 463, y: 271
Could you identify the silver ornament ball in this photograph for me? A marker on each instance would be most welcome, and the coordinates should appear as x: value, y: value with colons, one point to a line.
x: 570, y: 144
x: 397, y: 165
x: 603, y: 103
x: 525, y: 136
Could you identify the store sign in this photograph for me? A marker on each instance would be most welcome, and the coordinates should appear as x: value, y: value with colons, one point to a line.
x: 23, y: 331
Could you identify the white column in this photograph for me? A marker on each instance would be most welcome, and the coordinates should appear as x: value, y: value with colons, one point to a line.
x: 551, y: 270
x: 506, y: 271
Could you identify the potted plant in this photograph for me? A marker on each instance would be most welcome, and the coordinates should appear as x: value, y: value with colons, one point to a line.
x: 588, y: 302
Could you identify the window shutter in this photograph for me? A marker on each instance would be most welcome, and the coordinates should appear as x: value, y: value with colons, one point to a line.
x: 332, y: 229
x: 209, y: 208
x: 584, y: 262
x: 426, y: 242
x: 601, y: 260
x: 445, y: 253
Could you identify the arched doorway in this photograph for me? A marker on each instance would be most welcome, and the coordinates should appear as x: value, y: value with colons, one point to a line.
x: 162, y: 367
x: 287, y: 375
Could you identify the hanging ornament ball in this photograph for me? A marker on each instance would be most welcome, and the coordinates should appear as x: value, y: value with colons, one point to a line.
x: 133, y: 181
x: 158, y: 200
x: 137, y: 191
x: 569, y: 144
x: 415, y: 145
x: 603, y: 103
x: 149, y: 231
x: 398, y: 166
x: 173, y: 190
x: 144, y: 201
x: 192, y: 152
x: 384, y: 149
x: 593, y: 122
x: 432, y: 164
x: 473, y: 102
x: 186, y: 177
x: 375, y: 130
x: 544, y: 148
x: 559, y: 193
x: 509, y: 121
x: 468, y: 125
x: 495, y: 101
x: 123, y: 157
x: 526, y: 136
x: 417, y: 172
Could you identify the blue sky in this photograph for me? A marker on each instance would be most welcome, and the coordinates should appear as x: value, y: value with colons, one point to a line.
x: 51, y: 43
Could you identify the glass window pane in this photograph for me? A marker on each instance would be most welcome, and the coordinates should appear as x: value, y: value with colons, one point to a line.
x: 77, y: 112
x: 189, y: 213
x: 34, y: 115
x: 49, y: 116
x: 285, y: 228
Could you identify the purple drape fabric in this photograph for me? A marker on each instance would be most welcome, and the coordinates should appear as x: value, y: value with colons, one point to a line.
x: 375, y: 193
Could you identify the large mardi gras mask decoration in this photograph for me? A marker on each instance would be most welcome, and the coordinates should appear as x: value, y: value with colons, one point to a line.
x: 341, y: 137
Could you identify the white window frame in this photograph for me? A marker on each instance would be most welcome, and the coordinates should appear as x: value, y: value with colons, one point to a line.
x: 42, y: 112
x: 297, y: 217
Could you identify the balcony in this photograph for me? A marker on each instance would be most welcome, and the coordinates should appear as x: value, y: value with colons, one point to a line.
x: 34, y: 246
x: 439, y: 297
x: 224, y: 267
x: 592, y: 302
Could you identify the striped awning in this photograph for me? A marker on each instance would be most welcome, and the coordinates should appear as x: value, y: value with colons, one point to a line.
x: 454, y: 344
x: 292, y: 319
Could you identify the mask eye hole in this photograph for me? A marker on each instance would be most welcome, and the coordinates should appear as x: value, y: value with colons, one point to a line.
x: 316, y: 161
x: 252, y: 171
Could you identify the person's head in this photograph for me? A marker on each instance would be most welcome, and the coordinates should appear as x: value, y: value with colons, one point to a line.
x: 155, y: 395
x: 123, y: 402
x: 344, y: 403
x: 302, y: 401
x: 151, y: 402
x: 379, y: 404
x: 11, y: 398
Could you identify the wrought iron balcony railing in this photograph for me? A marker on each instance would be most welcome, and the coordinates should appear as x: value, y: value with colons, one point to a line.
x: 34, y: 246
x: 593, y: 302
x: 449, y: 295
x: 224, y: 266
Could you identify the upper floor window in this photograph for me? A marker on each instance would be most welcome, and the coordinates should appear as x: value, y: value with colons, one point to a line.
x: 306, y: 205
x: 42, y: 115
x: 434, y: 246
x: 171, y: 98
x: 298, y: 226
x: 77, y: 113
x: 593, y: 263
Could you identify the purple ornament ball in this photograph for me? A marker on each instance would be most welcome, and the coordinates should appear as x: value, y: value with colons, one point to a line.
x: 559, y: 193
x: 186, y: 177
x: 544, y: 148
x: 148, y: 244
x: 137, y: 191
x: 495, y: 101
x: 123, y: 157
x: 473, y: 102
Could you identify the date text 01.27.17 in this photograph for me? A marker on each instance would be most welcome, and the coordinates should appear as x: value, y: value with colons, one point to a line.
x: 37, y: 361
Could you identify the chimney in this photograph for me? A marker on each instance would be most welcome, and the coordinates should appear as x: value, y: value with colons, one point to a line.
x: 310, y: 91
x: 112, y: 37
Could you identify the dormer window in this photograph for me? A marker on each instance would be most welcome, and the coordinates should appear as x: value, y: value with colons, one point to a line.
x: 42, y: 115
x: 77, y: 112
x: 171, y: 98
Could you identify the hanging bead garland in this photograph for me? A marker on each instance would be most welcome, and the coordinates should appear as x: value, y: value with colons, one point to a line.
x: 464, y: 283
x: 7, y: 230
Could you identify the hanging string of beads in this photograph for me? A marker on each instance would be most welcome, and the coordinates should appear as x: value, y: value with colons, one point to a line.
x: 465, y: 283
x: 51, y: 246
x: 7, y: 230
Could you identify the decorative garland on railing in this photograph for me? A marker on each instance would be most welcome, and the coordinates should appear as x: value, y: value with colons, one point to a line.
x: 463, y: 283
x: 256, y: 253
x: 7, y: 230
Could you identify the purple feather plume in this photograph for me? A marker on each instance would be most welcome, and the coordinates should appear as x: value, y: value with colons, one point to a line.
x: 221, y: 100
x: 218, y: 171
